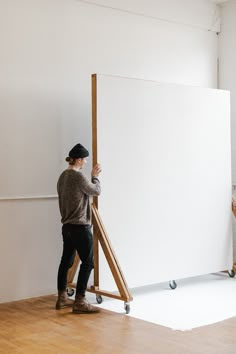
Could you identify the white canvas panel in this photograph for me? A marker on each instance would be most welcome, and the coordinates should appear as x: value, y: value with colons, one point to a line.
x: 166, y: 179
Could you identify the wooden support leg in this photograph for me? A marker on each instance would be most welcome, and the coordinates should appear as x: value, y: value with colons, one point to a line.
x: 96, y: 256
x: 100, y: 237
x: 72, y: 271
x: 110, y: 257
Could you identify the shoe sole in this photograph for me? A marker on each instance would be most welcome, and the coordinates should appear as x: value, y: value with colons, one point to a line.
x: 84, y: 312
x: 63, y: 307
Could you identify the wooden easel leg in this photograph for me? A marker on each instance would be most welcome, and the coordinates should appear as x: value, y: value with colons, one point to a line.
x: 118, y: 276
x: 72, y: 271
x: 96, y: 257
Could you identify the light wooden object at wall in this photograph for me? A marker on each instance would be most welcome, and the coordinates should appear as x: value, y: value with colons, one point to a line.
x: 101, y: 236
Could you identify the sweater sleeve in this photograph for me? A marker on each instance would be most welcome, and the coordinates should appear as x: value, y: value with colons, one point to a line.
x: 92, y: 188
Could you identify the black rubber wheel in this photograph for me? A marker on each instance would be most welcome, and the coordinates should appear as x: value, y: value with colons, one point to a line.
x: 70, y: 291
x: 231, y: 273
x: 172, y: 284
x: 127, y: 308
x: 99, y: 299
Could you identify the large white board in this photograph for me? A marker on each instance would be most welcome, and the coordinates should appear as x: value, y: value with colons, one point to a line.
x: 166, y: 179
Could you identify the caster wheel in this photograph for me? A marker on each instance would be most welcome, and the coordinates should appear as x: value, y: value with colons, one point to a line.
x: 70, y: 291
x: 99, y: 299
x: 231, y: 273
x: 172, y: 284
x: 127, y: 308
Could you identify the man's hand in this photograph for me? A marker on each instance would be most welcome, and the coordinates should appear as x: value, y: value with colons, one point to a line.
x: 234, y: 206
x: 96, y: 170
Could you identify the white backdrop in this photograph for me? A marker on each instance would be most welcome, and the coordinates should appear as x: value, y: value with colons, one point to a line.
x: 158, y: 143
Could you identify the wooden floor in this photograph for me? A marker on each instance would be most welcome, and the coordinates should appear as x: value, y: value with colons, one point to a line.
x: 34, y: 326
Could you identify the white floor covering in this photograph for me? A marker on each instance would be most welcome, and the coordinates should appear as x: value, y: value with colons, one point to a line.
x: 196, y: 302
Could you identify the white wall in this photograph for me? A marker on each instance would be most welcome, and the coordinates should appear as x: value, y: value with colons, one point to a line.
x: 49, y: 49
x: 227, y: 74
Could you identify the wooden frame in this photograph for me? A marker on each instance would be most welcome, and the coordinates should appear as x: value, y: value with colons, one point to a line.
x: 100, y: 234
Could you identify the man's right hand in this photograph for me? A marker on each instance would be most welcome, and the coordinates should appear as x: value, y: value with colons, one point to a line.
x: 96, y: 170
x: 234, y: 206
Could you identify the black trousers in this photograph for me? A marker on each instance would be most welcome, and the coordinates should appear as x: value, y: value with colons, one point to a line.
x: 76, y: 238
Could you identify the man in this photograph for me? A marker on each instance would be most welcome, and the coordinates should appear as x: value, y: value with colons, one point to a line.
x: 74, y: 190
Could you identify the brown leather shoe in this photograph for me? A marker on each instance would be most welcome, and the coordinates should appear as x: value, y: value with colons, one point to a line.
x: 63, y: 301
x: 81, y: 305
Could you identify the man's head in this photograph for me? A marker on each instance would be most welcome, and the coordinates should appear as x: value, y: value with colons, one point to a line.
x: 77, y: 156
x: 78, y: 152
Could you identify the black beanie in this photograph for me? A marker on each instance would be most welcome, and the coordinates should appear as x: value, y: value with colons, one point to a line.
x: 78, y: 152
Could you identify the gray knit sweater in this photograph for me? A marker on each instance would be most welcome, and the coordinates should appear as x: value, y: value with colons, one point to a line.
x: 74, y: 190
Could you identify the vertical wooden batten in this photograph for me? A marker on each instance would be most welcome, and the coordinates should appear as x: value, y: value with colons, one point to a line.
x: 95, y: 199
x: 94, y: 125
